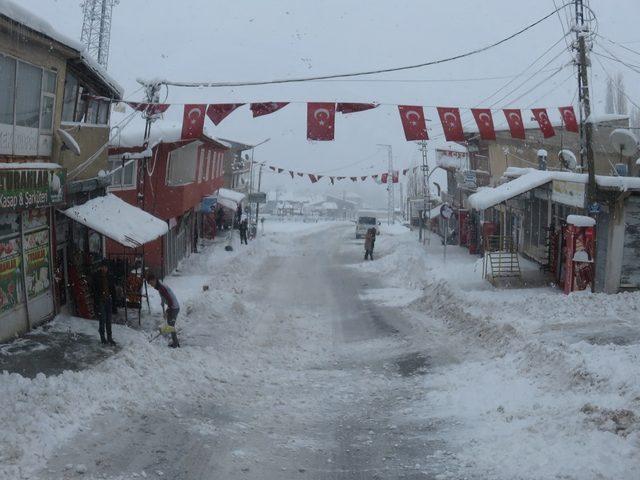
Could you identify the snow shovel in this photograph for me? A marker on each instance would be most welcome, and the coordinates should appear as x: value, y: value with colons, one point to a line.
x: 163, y: 330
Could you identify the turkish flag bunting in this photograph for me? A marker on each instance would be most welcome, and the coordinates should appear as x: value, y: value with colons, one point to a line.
x: 291, y: 173
x: 321, y: 118
x: 355, y: 107
x: 569, y: 119
x: 363, y: 178
x: 354, y: 179
x: 484, y: 120
x: 542, y: 117
x: 219, y: 111
x: 149, y: 108
x: 514, y: 120
x: 193, y: 121
x: 451, y: 124
x: 260, y: 109
x: 413, y: 122
x: 313, y: 178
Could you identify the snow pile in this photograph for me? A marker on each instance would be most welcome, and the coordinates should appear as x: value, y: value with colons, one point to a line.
x: 118, y: 220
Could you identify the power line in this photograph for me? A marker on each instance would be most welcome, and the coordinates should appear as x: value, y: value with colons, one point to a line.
x: 369, y: 72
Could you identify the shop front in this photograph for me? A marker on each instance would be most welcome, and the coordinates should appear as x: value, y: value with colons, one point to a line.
x: 27, y: 197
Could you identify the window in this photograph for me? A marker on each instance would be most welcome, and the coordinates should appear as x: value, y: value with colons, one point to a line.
x: 7, y: 87
x: 182, y: 165
x: 122, y: 178
x: 29, y: 81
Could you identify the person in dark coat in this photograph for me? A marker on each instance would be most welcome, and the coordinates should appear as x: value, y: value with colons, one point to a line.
x: 103, y: 301
x: 369, y: 243
x: 244, y: 226
x: 169, y: 299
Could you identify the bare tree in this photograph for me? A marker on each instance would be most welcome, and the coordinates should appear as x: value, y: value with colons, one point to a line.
x: 622, y: 105
x: 610, y: 102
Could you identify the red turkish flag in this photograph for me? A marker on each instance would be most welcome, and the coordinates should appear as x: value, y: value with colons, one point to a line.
x: 313, y: 178
x: 516, y: 125
x: 260, y: 109
x: 193, y: 121
x: 542, y: 117
x: 451, y: 124
x: 355, y: 107
x: 321, y: 118
x: 413, y: 122
x: 219, y: 111
x: 150, y: 108
x: 484, y: 120
x: 569, y: 119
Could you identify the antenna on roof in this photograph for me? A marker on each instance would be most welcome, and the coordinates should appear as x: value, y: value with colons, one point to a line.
x: 96, y: 28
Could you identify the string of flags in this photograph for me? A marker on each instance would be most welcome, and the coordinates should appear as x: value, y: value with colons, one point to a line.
x: 384, y: 177
x: 321, y: 118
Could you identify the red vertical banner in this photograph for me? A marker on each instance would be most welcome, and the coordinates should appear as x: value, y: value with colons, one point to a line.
x: 514, y: 120
x: 484, y: 120
x: 193, y: 121
x: 413, y: 122
x: 542, y: 117
x: 451, y: 124
x: 569, y: 119
x: 321, y: 118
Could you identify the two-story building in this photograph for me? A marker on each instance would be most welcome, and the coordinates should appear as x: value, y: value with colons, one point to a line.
x: 54, y: 124
x: 169, y: 178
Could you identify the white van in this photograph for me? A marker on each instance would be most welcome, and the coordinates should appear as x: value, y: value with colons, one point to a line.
x: 364, y: 223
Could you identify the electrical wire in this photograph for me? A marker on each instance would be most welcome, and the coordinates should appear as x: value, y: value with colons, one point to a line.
x: 369, y: 72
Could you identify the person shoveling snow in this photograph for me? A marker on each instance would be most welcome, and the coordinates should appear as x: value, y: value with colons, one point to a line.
x: 169, y: 299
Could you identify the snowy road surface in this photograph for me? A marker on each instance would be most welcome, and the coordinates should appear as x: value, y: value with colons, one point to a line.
x: 324, y: 386
x: 302, y: 361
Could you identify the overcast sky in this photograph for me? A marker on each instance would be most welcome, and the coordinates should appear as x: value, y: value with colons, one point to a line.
x: 217, y: 40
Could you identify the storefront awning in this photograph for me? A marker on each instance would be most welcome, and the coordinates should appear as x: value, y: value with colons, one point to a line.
x: 229, y: 198
x: 118, y: 220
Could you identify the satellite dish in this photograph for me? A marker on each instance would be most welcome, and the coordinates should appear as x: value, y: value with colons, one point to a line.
x: 624, y: 141
x: 69, y: 142
x: 568, y: 159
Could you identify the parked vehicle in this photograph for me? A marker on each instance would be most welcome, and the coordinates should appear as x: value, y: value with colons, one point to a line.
x: 363, y: 224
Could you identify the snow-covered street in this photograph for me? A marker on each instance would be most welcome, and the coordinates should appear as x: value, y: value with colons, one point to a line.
x: 302, y: 361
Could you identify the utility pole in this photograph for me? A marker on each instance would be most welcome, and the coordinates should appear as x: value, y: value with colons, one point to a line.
x: 425, y: 188
x: 586, y: 126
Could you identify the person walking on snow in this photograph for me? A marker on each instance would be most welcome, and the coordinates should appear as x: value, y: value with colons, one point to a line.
x: 169, y: 299
x: 244, y: 226
x: 103, y: 301
x: 369, y: 243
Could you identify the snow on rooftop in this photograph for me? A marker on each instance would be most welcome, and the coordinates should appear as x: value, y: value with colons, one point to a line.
x: 581, y: 221
x: 29, y: 165
x: 529, y: 178
x: 32, y: 21
x: 116, y: 219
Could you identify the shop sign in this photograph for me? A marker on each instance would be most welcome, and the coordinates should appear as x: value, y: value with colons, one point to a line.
x: 568, y: 193
x: 24, y: 189
x: 10, y: 273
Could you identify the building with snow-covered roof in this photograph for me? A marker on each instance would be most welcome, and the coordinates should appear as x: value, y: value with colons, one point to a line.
x: 55, y: 106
